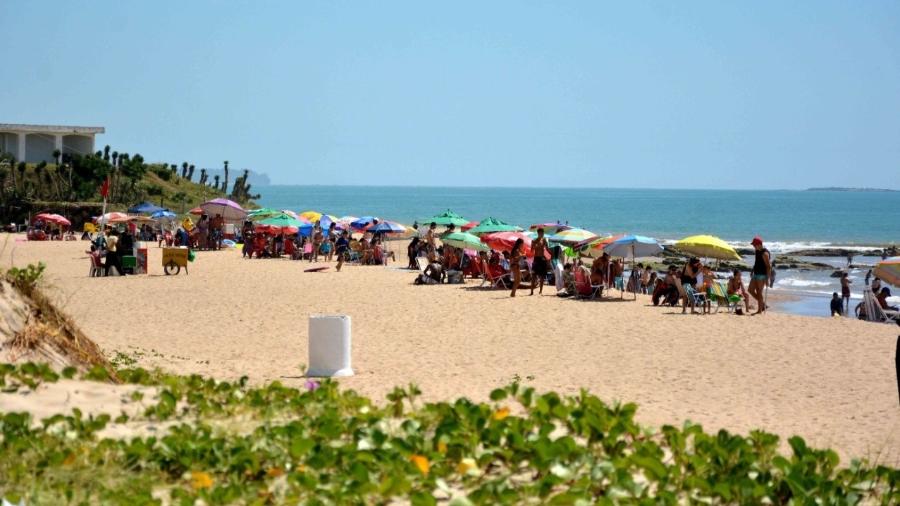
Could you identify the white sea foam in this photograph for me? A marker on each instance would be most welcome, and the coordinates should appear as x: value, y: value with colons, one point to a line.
x: 800, y: 283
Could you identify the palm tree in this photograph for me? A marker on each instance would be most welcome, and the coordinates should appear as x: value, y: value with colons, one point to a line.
x: 190, y: 172
x: 115, y: 158
x: 216, y: 183
x: 56, y: 154
x: 202, y: 176
x: 184, y: 169
x: 225, y: 184
x: 106, y: 153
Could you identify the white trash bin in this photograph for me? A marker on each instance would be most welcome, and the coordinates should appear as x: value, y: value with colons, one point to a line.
x: 329, y: 346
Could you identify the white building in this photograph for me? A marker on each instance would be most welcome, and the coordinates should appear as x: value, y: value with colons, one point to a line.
x: 36, y: 143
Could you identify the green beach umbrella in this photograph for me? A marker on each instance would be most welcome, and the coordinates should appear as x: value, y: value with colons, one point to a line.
x: 446, y: 218
x: 282, y: 220
x: 263, y: 213
x: 464, y: 240
x: 491, y: 225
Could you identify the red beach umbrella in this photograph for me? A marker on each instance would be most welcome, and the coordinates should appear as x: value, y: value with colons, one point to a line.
x: 504, y: 241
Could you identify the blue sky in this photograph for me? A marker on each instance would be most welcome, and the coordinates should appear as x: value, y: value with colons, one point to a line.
x: 627, y: 94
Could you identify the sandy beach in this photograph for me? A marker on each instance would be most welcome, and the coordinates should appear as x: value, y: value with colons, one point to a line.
x: 830, y: 381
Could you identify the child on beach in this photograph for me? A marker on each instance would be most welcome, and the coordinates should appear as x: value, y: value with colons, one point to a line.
x: 837, y: 307
x: 646, y: 282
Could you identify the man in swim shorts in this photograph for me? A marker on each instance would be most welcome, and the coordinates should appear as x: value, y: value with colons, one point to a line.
x: 539, y: 266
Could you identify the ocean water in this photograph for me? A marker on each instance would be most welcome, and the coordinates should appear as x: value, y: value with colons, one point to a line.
x: 785, y: 219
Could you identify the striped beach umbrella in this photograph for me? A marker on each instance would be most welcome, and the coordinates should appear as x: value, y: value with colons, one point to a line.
x: 888, y: 270
x: 572, y: 236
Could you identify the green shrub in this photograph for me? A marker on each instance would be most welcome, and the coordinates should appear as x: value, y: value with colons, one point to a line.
x: 231, y: 443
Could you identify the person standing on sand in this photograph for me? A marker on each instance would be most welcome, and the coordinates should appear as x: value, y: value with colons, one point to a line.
x: 761, y: 272
x: 316, y: 243
x: 341, y: 246
x: 514, y: 257
x: 845, y: 292
x: 429, y: 237
x: 539, y: 266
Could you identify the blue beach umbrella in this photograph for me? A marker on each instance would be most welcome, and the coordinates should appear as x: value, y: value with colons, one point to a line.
x: 387, y: 227
x: 163, y: 214
x: 145, y: 208
x: 636, y: 245
x: 362, y: 222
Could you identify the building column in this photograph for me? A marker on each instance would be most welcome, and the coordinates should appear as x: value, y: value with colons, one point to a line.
x: 58, y: 144
x: 21, y: 149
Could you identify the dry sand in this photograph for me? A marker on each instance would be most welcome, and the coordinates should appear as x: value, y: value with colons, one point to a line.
x: 830, y: 381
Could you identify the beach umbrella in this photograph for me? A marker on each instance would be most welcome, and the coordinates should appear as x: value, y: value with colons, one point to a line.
x: 265, y: 212
x: 594, y: 247
x: 163, y: 214
x: 53, y: 218
x: 145, y: 208
x: 572, y: 236
x: 492, y: 225
x: 888, y: 270
x: 363, y: 222
x: 504, y: 241
x: 446, y: 218
x: 550, y: 227
x: 197, y: 211
x: 229, y: 209
x: 142, y: 219
x: 634, y: 246
x: 113, y: 217
x: 290, y: 213
x: 312, y: 216
x: 707, y: 246
x: 468, y: 226
x: 465, y: 240
x: 282, y: 220
x: 387, y: 227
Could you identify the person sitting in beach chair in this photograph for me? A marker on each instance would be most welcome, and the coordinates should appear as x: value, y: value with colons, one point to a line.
x: 495, y: 274
x: 584, y: 288
x: 735, y: 288
x: 434, y: 274
x: 568, y: 279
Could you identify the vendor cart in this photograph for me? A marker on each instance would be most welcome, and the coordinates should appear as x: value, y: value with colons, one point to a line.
x: 173, y: 259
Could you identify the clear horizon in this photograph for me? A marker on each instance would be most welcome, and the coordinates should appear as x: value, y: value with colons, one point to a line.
x: 651, y: 95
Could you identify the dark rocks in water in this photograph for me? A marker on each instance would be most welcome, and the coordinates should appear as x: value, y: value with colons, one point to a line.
x: 835, y: 252
x: 836, y: 274
x: 788, y: 262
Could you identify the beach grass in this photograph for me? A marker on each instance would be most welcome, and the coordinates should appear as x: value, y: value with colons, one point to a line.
x: 229, y: 442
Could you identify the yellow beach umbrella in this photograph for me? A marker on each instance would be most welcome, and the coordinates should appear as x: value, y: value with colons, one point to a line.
x: 312, y: 216
x: 707, y: 246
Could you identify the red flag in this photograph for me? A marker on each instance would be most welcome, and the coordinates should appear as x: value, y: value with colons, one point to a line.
x: 104, y: 188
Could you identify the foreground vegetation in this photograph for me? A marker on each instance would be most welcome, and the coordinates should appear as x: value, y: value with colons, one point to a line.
x: 230, y: 442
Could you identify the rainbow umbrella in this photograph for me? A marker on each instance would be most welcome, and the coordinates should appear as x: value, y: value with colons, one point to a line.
x: 707, y: 246
x: 888, y: 270
x: 594, y: 247
x: 572, y: 236
x: 492, y: 225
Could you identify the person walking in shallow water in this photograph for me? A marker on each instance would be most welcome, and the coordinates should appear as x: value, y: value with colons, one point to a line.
x: 845, y: 292
x: 762, y: 270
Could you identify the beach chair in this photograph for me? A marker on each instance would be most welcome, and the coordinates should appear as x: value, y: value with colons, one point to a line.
x: 873, y: 310
x: 696, y: 297
x: 501, y: 281
x: 719, y: 293
x: 96, y: 265
x: 583, y: 287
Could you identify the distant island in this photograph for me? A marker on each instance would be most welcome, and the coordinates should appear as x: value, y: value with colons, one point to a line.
x: 844, y: 189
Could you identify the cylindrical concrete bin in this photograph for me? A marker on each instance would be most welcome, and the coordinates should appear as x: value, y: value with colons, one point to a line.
x: 329, y: 346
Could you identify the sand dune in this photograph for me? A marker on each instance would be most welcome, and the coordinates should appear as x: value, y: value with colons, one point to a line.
x: 831, y: 381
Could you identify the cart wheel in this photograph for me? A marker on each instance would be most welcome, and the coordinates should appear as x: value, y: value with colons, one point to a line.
x: 173, y: 266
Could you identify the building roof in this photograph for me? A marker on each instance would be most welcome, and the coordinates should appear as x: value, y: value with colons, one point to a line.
x: 50, y: 129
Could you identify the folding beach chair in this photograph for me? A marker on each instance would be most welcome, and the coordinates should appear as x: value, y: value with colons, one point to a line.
x: 496, y: 281
x: 695, y: 296
x: 719, y: 292
x: 874, y: 311
x: 583, y: 287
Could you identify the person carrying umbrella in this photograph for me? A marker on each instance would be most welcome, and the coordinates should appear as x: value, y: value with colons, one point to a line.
x: 762, y: 270
x: 539, y: 266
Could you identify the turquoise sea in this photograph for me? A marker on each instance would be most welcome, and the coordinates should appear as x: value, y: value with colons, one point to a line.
x: 785, y: 219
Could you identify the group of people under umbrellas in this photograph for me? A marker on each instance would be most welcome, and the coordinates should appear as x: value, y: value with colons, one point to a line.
x: 530, y: 261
